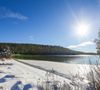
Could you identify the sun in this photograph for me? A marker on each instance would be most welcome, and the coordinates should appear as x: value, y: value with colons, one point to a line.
x: 82, y: 29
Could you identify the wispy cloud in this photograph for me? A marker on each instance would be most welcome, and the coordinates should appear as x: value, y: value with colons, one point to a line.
x: 83, y: 44
x: 31, y: 38
x: 7, y: 13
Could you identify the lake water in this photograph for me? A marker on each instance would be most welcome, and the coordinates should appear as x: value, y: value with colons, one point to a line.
x: 82, y: 59
x: 74, y: 59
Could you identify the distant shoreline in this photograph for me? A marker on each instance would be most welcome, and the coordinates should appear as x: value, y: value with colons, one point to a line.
x: 39, y: 49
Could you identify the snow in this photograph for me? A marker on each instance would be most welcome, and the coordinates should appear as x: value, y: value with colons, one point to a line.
x: 61, y: 67
x: 21, y: 76
x: 34, y: 74
x: 76, y: 72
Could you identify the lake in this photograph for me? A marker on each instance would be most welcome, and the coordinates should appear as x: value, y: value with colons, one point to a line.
x: 82, y: 59
x: 74, y: 59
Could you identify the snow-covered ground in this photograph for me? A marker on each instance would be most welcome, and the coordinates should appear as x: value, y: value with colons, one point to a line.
x: 76, y: 72
x: 61, y: 67
x: 19, y: 76
x: 36, y: 75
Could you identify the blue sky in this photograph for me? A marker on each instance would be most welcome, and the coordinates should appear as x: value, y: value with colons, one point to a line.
x: 49, y: 22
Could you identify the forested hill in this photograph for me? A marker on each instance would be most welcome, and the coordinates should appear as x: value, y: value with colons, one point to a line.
x: 36, y: 49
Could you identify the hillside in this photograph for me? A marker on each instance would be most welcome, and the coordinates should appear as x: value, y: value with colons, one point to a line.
x: 37, y: 49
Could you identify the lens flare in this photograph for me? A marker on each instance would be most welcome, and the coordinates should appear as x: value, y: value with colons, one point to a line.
x: 82, y: 29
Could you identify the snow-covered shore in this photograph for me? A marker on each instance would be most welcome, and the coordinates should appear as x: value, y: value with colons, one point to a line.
x: 19, y: 75
x: 21, y: 72
x: 61, y: 67
x: 31, y: 74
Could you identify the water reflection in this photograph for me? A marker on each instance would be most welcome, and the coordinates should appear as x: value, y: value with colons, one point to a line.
x: 74, y: 59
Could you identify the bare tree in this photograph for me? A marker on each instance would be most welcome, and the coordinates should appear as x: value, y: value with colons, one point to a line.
x: 97, y: 41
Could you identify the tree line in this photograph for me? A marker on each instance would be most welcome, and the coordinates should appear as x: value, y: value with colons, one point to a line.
x: 36, y: 49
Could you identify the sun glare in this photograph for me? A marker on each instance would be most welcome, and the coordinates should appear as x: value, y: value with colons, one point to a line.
x: 82, y: 29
